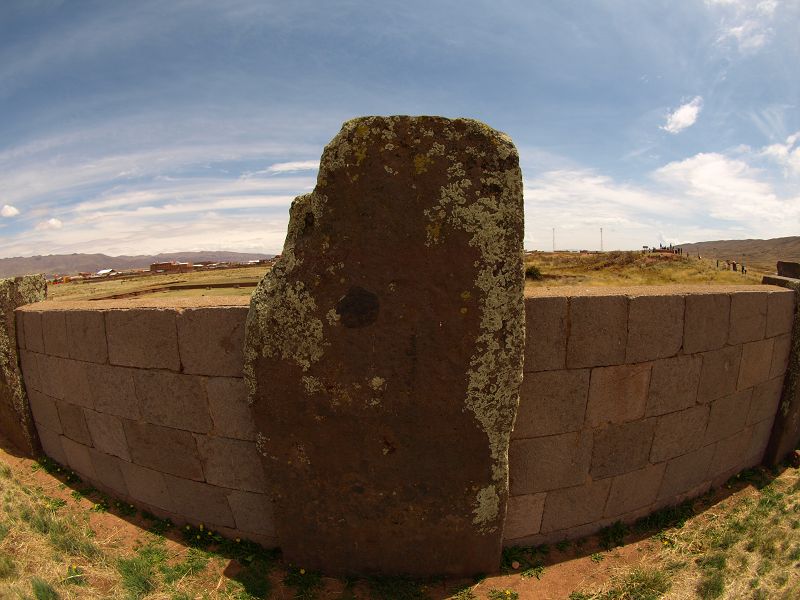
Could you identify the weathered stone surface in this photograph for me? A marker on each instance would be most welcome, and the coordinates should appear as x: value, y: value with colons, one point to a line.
x: 147, y: 485
x: 575, y: 506
x: 230, y: 413
x: 107, y: 433
x: 73, y: 423
x: 780, y: 312
x: 706, y: 322
x: 34, y: 341
x: 679, y: 433
x: 112, y: 390
x: 524, y: 516
x: 720, y: 373
x: 231, y: 463
x: 728, y: 415
x: 789, y: 269
x: 685, y: 473
x: 617, y: 394
x: 143, y: 338
x: 54, y: 332
x: 163, y: 449
x: 547, y: 350
x: 621, y: 448
x: 673, y: 384
x: 748, y: 317
x: 598, y: 331
x: 385, y: 350
x: 78, y: 458
x: 211, y: 340
x: 756, y: 363
x: 45, y: 411
x: 551, y: 402
x: 655, y: 327
x: 764, y: 403
x: 108, y: 471
x: 172, y: 399
x: 634, y: 490
x: 252, y: 512
x: 16, y: 421
x: 549, y: 463
x: 86, y: 332
x: 202, y: 502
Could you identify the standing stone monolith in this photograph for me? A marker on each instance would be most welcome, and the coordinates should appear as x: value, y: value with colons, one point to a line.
x: 16, y: 421
x: 384, y: 351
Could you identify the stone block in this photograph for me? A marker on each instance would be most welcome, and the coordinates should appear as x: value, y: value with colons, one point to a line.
x: 523, y: 516
x: 75, y: 383
x: 45, y: 412
x: 232, y: 464
x: 19, y: 323
x: 655, y: 327
x: 728, y: 415
x: 86, y: 331
x: 729, y: 456
x: 112, y: 390
x: 173, y: 400
x: 108, y: 471
x: 146, y: 485
x: 548, y: 463
x: 551, y: 402
x: 211, y: 340
x: 230, y: 413
x: 575, y: 506
x: 756, y: 363
x: 108, y: 434
x: 673, y: 384
x: 748, y: 317
x: 252, y: 512
x: 144, y: 338
x: 29, y: 363
x: 73, y: 423
x: 617, y: 394
x: 51, y: 444
x: 679, y: 433
x: 51, y: 375
x: 547, y: 349
x: 766, y: 397
x: 780, y: 312
x: 205, y: 503
x: 685, y: 473
x: 707, y: 322
x: 759, y: 437
x: 78, y: 458
x: 719, y: 373
x: 780, y: 355
x: 621, y: 448
x: 598, y: 331
x: 163, y: 449
x: 54, y: 333
x: 34, y: 341
x: 634, y: 490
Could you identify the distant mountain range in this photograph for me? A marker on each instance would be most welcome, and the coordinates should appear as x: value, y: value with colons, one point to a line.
x: 68, y: 264
x: 759, y: 254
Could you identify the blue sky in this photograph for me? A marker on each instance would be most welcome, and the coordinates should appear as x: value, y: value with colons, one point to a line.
x: 138, y: 127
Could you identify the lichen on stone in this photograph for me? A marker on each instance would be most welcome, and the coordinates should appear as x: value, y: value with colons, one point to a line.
x: 487, y: 509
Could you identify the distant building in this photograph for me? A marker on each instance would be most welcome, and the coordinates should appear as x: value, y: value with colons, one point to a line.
x: 171, y: 267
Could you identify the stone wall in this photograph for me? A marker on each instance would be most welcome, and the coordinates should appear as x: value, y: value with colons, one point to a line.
x: 146, y: 401
x: 634, y: 399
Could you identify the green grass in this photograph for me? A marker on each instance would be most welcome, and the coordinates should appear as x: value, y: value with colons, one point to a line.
x: 43, y: 590
x: 140, y: 572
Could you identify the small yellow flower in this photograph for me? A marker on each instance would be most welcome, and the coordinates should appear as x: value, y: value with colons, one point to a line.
x: 201, y: 527
x: 302, y: 571
x: 198, y: 536
x: 238, y: 540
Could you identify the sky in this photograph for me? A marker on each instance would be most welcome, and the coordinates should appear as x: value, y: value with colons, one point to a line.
x: 152, y: 126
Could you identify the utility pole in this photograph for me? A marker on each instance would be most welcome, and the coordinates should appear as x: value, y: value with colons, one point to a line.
x: 554, y: 239
x: 601, y: 239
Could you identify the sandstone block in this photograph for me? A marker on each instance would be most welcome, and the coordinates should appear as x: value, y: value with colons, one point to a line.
x: 230, y: 413
x: 34, y: 341
x: 547, y: 350
x: 748, y: 317
x: 551, y: 402
x: 621, y: 448
x: 679, y: 433
x: 29, y: 361
x: 673, y: 384
x: 728, y: 415
x: 20, y: 324
x: 685, y: 473
x: 780, y: 312
x: 707, y: 322
x: 108, y: 471
x: 548, y: 463
x: 86, y: 331
x: 73, y: 423
x: 78, y: 458
x: 146, y: 485
x: 759, y: 437
x: 729, y: 456
x: 74, y: 383
x: 112, y: 390
x: 51, y: 375
x: 54, y: 333
x: 232, y: 464
x: 360, y: 415
x: 211, y: 340
x: 575, y: 506
x: 655, y: 327
x: 598, y: 331
x: 107, y: 433
x: 173, y: 400
x: 45, y: 412
x: 756, y: 363
x: 51, y: 444
x: 252, y: 512
x: 780, y: 355
x: 617, y: 394
x: 634, y: 490
x: 766, y: 397
x: 163, y: 449
x: 719, y: 373
x: 524, y: 516
x: 205, y: 503
x: 143, y: 338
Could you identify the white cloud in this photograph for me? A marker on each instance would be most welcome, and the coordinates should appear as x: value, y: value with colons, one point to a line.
x: 293, y: 167
x: 684, y: 116
x: 49, y: 224
x: 9, y: 211
x: 745, y: 23
x: 786, y: 154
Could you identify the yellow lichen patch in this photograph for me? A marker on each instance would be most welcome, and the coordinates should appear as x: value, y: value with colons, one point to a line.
x: 486, y: 509
x: 421, y: 163
x: 312, y: 384
x: 466, y: 295
x: 377, y: 383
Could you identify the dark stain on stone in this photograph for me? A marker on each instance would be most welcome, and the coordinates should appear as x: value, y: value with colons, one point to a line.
x: 358, y: 308
x: 309, y: 221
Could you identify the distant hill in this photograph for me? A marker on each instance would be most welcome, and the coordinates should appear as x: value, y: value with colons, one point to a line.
x: 760, y: 254
x: 67, y: 264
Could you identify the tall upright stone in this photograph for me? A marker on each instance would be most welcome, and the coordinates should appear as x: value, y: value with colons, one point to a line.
x: 384, y: 350
x: 16, y: 421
